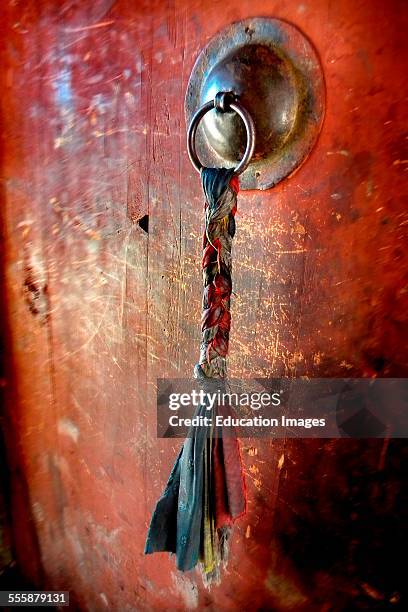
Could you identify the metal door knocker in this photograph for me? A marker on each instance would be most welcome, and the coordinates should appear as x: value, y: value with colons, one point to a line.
x: 271, y: 73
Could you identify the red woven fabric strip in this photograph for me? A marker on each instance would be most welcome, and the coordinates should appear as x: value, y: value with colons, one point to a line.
x: 223, y: 517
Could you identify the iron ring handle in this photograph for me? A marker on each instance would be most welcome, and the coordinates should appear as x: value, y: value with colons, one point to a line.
x: 219, y: 102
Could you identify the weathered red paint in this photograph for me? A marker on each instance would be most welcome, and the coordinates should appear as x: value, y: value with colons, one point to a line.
x: 94, y: 139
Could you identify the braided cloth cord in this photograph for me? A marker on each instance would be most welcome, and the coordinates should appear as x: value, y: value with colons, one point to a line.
x: 220, y: 188
x: 205, y: 492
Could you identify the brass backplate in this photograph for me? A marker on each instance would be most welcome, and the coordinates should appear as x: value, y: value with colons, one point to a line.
x: 274, y: 70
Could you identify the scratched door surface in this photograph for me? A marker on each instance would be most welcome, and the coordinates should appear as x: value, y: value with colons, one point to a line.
x: 102, y: 223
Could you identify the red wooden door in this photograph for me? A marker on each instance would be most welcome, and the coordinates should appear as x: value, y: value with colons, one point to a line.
x: 98, y: 307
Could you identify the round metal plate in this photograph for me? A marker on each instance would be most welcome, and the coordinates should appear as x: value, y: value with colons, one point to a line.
x: 277, y: 75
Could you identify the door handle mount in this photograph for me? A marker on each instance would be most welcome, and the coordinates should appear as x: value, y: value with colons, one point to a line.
x: 268, y: 68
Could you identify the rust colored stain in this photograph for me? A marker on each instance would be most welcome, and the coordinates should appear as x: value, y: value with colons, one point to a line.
x: 103, y: 299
